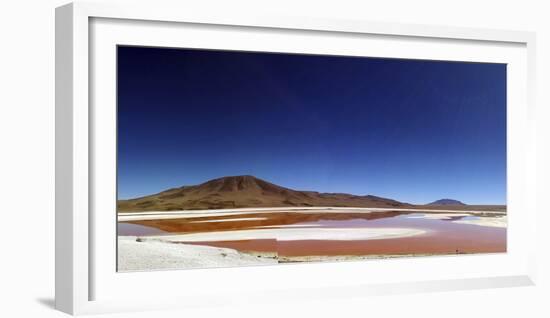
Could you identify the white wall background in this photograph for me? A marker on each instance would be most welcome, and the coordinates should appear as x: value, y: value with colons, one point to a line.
x: 27, y: 158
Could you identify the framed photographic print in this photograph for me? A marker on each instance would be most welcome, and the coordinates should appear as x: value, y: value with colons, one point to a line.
x: 273, y: 154
x: 234, y: 158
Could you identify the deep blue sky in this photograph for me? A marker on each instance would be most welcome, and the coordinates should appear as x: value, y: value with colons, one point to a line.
x: 411, y: 130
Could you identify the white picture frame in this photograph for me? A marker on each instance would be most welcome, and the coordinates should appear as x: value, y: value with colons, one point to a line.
x: 77, y: 163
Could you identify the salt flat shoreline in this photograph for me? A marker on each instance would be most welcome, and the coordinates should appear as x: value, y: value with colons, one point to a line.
x: 139, y: 253
x: 150, y: 255
x: 291, y: 234
x: 184, y: 250
x: 158, y: 215
x: 136, y: 255
x: 500, y: 222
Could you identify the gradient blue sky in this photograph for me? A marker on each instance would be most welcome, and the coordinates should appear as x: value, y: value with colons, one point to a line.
x: 411, y: 130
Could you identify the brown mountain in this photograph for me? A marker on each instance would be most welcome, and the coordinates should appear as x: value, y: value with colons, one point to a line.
x: 446, y: 202
x: 246, y: 192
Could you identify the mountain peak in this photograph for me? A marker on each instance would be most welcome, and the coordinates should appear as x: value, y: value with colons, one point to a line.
x: 234, y: 178
x: 239, y: 183
x: 446, y: 202
x: 246, y: 191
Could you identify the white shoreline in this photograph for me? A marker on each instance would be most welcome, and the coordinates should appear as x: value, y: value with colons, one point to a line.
x: 158, y: 215
x: 501, y: 222
x: 230, y: 220
x: 292, y: 234
x: 284, y: 226
x: 150, y: 255
x: 159, y: 255
x: 437, y: 216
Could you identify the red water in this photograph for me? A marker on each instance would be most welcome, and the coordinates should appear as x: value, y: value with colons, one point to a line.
x: 441, y: 237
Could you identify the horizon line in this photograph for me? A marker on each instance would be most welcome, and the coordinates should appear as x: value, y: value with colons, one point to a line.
x: 299, y: 190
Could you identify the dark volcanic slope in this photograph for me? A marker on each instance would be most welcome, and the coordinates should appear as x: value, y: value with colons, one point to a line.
x: 246, y: 192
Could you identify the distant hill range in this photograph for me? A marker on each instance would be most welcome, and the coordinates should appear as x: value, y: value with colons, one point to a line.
x: 446, y: 202
x: 245, y: 192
